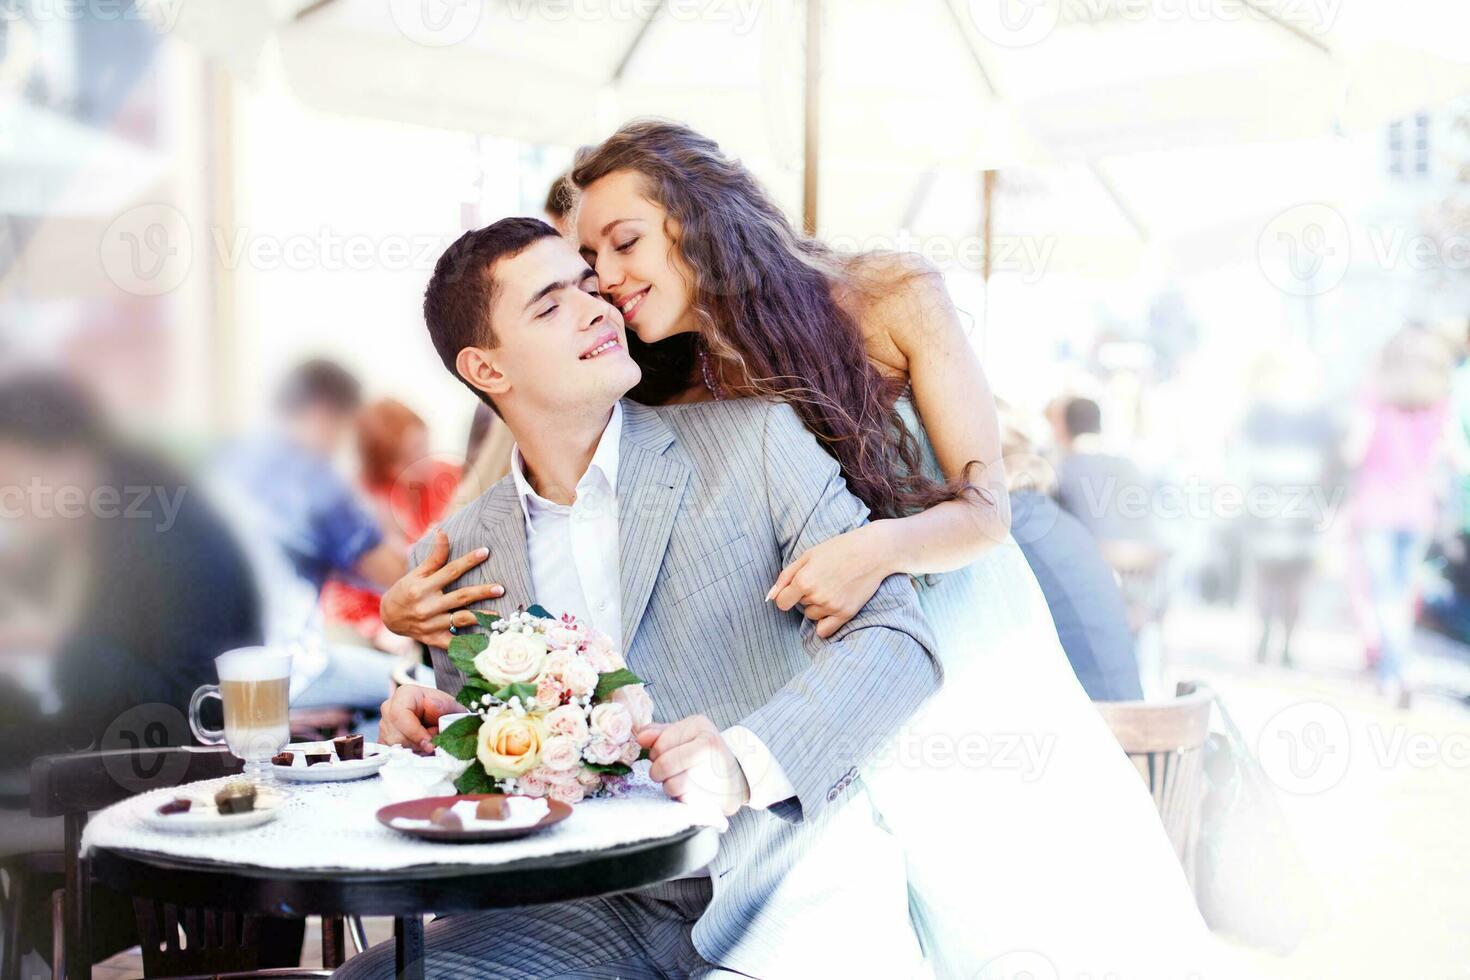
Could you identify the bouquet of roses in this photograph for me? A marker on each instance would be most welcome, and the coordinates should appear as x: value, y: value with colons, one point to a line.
x: 553, y: 706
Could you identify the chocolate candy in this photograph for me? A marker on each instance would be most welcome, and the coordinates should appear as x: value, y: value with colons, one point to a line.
x: 284, y: 759
x: 348, y: 747
x: 176, y: 805
x: 236, y: 797
x: 446, y: 819
x: 491, y: 809
x: 313, y: 758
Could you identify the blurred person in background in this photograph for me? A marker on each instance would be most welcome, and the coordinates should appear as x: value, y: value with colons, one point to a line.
x: 1396, y: 442
x: 301, y: 524
x: 1287, y: 446
x: 1105, y: 491
x: 1080, y: 589
x: 118, y: 588
x: 112, y: 567
x: 408, y: 490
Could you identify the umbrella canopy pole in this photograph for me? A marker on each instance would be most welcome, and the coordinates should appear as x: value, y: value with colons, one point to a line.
x: 813, y: 123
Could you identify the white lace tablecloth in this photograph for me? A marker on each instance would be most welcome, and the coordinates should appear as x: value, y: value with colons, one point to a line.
x: 334, y: 826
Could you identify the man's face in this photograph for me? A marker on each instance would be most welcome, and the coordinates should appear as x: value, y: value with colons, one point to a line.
x: 562, y: 346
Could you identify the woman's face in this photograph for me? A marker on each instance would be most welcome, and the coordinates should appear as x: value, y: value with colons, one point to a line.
x: 622, y: 236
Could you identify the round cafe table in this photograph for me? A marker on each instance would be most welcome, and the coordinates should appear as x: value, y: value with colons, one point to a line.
x: 404, y: 893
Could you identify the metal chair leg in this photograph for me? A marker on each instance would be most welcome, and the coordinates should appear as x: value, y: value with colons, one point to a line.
x: 357, y: 932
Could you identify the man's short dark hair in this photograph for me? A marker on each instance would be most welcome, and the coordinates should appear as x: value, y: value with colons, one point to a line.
x: 319, y: 383
x: 462, y: 290
x: 1082, y: 417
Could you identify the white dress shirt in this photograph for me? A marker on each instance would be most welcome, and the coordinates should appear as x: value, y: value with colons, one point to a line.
x: 573, y: 555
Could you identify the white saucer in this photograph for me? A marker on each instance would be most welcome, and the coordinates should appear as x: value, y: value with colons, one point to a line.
x: 204, y: 816
x: 334, y: 771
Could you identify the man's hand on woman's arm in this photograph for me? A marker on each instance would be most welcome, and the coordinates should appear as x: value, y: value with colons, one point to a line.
x: 417, y: 606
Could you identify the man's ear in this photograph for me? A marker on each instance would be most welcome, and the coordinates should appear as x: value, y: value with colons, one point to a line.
x: 477, y: 366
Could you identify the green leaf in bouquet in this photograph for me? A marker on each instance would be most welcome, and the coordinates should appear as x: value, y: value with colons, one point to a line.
x: 536, y: 609
x: 464, y: 648
x: 523, y: 691
x: 616, y: 769
x: 461, y: 738
x: 475, y: 780
x: 471, y: 693
x: 485, y: 619
x: 612, y: 680
x: 643, y: 755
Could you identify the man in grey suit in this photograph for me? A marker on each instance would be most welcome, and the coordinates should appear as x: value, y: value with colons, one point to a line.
x: 666, y: 528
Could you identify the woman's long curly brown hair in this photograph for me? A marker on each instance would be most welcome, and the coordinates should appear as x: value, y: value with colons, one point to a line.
x: 766, y: 301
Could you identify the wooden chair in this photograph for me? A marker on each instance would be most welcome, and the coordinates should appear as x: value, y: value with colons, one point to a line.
x: 216, y: 943
x: 1165, y: 740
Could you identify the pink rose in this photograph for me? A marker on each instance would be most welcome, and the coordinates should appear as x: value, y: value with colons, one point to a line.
x: 529, y: 785
x: 564, y: 635
x: 612, y: 721
x: 631, y: 751
x: 569, y: 720
x: 602, y: 655
x: 560, y: 753
x: 589, y: 778
x: 550, y: 777
x: 572, y: 672
x: 635, y: 698
x: 569, y: 793
x: 603, y: 751
x: 549, y: 691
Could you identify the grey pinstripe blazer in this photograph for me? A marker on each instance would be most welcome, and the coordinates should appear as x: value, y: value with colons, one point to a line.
x: 714, y: 499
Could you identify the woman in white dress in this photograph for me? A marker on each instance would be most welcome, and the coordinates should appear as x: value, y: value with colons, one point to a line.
x: 1032, y: 843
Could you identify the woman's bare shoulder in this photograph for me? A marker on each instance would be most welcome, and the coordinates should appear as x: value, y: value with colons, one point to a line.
x: 894, y: 297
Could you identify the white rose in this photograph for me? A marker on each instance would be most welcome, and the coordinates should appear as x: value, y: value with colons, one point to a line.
x: 635, y: 698
x: 512, y: 658
x: 631, y: 751
x: 569, y: 720
x: 612, y: 721
x: 602, y: 751
x: 561, y: 753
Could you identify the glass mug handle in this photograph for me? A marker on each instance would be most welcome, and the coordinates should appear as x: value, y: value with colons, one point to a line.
x: 208, y: 736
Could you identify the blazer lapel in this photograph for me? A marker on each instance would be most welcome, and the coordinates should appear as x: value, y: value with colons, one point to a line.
x: 650, y: 488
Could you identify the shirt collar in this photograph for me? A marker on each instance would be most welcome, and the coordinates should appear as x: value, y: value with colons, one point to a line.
x: 604, y: 462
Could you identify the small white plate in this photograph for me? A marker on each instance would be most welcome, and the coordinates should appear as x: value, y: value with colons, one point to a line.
x: 204, y: 816
x: 335, y: 770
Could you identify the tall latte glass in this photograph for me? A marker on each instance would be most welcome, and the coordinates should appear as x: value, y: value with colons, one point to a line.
x: 254, y: 684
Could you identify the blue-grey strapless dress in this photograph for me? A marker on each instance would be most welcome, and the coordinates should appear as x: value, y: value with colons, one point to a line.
x: 1033, y: 844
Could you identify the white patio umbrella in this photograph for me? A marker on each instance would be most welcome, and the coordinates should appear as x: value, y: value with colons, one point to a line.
x: 899, y: 88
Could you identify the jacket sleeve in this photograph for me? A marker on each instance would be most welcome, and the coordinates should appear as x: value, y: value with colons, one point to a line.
x: 866, y: 679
